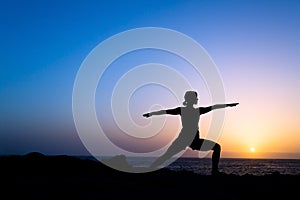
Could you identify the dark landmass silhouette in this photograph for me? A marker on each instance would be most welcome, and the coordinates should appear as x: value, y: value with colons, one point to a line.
x: 37, y: 176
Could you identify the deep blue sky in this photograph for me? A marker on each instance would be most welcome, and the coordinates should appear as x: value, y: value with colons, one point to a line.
x: 43, y: 44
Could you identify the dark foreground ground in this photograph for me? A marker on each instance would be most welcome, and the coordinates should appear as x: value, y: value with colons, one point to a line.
x: 36, y: 176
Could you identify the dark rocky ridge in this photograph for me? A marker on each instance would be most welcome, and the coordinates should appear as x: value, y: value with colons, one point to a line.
x: 37, y: 176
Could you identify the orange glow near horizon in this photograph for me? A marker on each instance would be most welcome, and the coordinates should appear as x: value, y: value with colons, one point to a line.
x: 251, y: 136
x: 270, y: 124
x: 263, y: 128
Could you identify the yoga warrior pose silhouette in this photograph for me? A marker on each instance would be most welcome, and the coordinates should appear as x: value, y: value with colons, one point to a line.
x: 189, y: 134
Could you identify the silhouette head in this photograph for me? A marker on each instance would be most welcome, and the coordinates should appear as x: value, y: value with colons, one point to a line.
x: 190, y: 98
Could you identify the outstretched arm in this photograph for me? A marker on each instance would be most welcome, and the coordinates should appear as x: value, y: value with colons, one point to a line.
x: 204, y: 110
x: 160, y: 112
x: 175, y: 111
x: 218, y: 106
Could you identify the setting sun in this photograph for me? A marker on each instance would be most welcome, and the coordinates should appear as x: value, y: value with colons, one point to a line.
x: 252, y: 149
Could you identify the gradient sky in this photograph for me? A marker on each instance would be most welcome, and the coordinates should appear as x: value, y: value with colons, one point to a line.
x: 255, y: 45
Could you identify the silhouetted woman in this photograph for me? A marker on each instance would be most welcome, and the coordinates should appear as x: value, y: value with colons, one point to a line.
x: 189, y: 134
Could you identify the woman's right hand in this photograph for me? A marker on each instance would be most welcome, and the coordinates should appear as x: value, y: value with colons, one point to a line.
x: 146, y: 115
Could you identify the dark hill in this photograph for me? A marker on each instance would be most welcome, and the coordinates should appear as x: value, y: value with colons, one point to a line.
x: 36, y: 176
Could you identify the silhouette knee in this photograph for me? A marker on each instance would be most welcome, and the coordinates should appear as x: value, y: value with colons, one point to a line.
x: 217, y: 147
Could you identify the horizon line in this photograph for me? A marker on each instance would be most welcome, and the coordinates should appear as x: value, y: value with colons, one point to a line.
x: 234, y: 155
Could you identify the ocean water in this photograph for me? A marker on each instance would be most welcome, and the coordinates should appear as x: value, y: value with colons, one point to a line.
x: 239, y: 166
x: 235, y: 166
